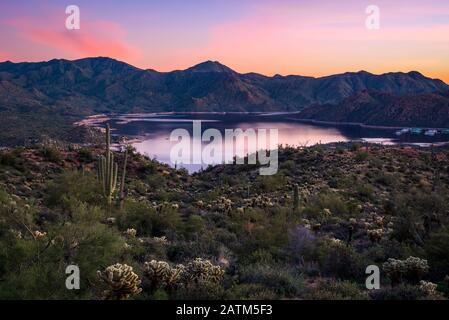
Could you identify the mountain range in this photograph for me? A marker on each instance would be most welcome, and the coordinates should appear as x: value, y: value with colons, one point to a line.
x: 104, y: 84
x: 71, y: 90
x: 385, y: 109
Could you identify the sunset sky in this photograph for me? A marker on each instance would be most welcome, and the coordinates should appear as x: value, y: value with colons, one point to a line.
x: 313, y: 38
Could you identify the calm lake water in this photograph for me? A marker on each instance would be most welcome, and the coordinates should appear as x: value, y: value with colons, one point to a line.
x: 152, y: 131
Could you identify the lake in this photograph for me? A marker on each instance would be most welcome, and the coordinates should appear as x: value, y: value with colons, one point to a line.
x: 152, y: 131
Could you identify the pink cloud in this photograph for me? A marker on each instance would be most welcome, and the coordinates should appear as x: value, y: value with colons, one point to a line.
x: 94, y: 38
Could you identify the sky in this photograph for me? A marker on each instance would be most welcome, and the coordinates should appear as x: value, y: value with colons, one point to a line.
x: 304, y: 37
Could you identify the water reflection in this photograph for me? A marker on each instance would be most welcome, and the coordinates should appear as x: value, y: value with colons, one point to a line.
x: 154, y: 131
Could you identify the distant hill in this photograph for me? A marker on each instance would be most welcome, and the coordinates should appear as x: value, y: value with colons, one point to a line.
x: 38, y: 98
x: 378, y: 108
x: 104, y: 84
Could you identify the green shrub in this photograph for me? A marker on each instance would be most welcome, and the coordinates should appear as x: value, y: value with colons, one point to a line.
x: 341, y: 262
x: 33, y: 265
x: 269, y: 183
x: 437, y: 252
x: 204, y: 291
x: 361, y: 156
x: 195, y: 224
x: 12, y: 160
x: 288, y: 165
x: 285, y: 281
x: 137, y: 215
x: 400, y: 292
x: 85, y: 155
x: 51, y: 154
x: 386, y: 179
x: 364, y: 191
x: 330, y: 289
x: 261, y: 256
x: 73, y: 184
x: 250, y: 291
x: 330, y: 200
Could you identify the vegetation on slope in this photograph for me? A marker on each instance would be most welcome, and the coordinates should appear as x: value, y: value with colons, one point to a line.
x: 226, y: 232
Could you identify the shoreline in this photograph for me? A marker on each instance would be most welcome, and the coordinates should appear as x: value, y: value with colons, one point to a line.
x: 97, y: 119
x: 362, y: 125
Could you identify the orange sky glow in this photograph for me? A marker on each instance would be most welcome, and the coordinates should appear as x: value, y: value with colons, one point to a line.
x: 311, y: 38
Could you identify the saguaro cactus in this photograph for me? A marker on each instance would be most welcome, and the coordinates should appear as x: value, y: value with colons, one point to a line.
x: 295, y: 197
x: 108, y: 169
x: 122, y: 182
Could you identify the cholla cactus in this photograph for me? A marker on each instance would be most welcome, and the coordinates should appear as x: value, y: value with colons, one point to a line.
x: 200, y: 204
x: 165, y: 206
x: 59, y: 240
x: 394, y: 269
x: 130, y: 232
x: 110, y: 221
x: 157, y: 271
x: 377, y: 227
x: 260, y: 201
x: 327, y: 212
x: 416, y: 268
x: 375, y: 235
x: 160, y: 273
x: 39, y: 235
x: 223, y: 204
x: 175, y: 275
x: 336, y: 242
x: 203, y: 270
x: 160, y: 240
x: 379, y: 220
x: 216, y: 274
x: 412, y: 269
x: 16, y: 233
x: 122, y: 281
x: 306, y: 223
x: 429, y: 288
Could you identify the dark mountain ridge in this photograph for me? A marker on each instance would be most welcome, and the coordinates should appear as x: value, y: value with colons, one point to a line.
x: 104, y: 84
x: 42, y: 98
x: 385, y: 109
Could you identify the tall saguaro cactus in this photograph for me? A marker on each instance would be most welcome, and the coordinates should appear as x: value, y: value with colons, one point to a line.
x: 122, y: 182
x: 108, y: 169
x: 295, y: 197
